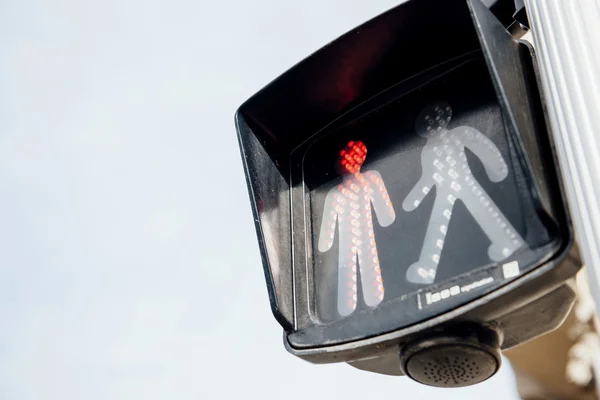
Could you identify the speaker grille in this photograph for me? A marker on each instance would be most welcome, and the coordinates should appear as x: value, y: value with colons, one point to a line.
x: 451, y: 365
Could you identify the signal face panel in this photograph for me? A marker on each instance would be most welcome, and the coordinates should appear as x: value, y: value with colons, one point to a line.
x: 417, y: 206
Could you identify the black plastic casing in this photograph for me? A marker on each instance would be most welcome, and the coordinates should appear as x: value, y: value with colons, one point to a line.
x: 342, y: 79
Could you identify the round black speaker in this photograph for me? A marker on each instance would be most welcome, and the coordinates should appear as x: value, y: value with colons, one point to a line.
x: 452, y: 360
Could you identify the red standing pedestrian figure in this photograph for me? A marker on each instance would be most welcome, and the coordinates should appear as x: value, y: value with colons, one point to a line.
x: 349, y: 205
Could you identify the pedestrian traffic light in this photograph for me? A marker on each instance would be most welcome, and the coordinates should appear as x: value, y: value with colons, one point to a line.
x: 408, y: 207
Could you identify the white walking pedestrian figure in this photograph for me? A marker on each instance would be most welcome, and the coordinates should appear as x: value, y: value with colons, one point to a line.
x: 349, y: 203
x: 445, y: 166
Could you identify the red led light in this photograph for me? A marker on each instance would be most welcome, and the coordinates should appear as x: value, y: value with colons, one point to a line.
x: 353, y: 156
x: 350, y: 205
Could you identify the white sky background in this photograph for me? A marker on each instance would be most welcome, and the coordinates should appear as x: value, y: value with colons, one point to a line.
x: 129, y: 267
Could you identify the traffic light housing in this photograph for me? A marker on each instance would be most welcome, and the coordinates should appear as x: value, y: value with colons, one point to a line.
x: 408, y: 207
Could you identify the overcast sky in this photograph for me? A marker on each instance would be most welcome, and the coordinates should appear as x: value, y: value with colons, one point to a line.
x: 129, y: 267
